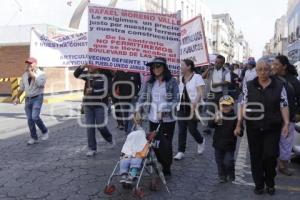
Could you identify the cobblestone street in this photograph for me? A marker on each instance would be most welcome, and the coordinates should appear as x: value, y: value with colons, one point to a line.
x: 58, y: 168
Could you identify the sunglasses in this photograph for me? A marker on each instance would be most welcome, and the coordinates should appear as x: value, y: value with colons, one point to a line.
x: 156, y: 66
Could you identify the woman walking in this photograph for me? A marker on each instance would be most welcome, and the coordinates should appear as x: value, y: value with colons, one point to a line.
x: 267, y: 116
x: 191, y: 92
x: 158, y: 99
x: 287, y: 73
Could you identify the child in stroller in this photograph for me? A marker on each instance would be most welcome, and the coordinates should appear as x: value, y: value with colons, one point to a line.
x: 137, y: 157
x: 133, y: 152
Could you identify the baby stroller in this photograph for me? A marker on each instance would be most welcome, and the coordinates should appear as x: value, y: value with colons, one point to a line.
x: 149, y: 166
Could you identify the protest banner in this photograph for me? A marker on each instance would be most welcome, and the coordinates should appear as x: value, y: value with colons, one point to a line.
x: 126, y: 40
x: 193, y: 42
x: 59, y: 51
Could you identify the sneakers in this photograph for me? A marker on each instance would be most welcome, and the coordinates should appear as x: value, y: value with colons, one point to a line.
x: 201, y: 147
x: 45, y: 136
x: 179, y: 156
x: 123, y: 178
x: 91, y: 153
x: 129, y: 180
x: 32, y: 141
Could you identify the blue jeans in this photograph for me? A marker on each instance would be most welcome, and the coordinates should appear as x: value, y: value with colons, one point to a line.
x: 128, y: 163
x: 33, y: 109
x: 95, y: 118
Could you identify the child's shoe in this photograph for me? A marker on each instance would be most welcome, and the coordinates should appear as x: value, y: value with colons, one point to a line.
x: 123, y: 178
x: 222, y: 179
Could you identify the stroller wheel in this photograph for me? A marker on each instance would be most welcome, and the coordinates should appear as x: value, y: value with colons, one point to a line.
x: 109, y: 189
x: 138, y: 192
x: 154, y: 185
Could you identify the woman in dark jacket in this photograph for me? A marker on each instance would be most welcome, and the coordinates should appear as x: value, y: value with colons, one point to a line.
x: 265, y: 108
x: 287, y: 73
x: 127, y: 86
x: 95, y: 100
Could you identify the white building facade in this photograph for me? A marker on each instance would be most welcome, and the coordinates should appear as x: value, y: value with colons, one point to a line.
x: 222, y: 46
x: 221, y: 38
x: 281, y: 36
x: 293, y: 20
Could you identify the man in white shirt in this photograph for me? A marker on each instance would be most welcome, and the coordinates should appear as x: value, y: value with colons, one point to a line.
x: 218, y: 79
x: 250, y: 73
x: 33, y: 83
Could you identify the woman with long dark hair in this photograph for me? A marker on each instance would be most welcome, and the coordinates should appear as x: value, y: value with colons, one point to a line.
x: 191, y: 93
x: 287, y: 73
x: 158, y: 99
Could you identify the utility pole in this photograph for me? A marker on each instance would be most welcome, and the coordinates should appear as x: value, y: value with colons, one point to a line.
x: 162, y: 7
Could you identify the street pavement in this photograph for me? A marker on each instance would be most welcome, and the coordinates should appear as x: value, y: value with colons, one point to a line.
x: 58, y: 168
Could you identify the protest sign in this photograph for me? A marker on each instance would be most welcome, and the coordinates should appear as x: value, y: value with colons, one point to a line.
x: 59, y: 51
x: 126, y: 40
x: 193, y: 42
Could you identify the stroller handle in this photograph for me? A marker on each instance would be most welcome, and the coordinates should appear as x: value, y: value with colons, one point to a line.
x: 159, y: 125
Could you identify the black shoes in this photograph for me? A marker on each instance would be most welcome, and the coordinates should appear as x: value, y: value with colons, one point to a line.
x: 222, y: 179
x: 167, y: 172
x: 258, y: 191
x: 270, y: 190
x: 207, y: 131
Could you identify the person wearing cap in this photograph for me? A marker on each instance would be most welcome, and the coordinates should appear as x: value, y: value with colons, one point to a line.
x: 191, y: 93
x: 158, y: 100
x: 224, y: 139
x: 265, y: 109
x: 250, y: 72
x: 33, y: 83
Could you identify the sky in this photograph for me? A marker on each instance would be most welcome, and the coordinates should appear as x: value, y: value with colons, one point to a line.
x: 256, y: 18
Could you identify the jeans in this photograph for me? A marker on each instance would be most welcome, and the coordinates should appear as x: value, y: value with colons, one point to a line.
x: 264, y: 151
x: 95, y: 118
x: 33, y: 109
x: 128, y: 163
x: 185, y: 125
x: 225, y: 163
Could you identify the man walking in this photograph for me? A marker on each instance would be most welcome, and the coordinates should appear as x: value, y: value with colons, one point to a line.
x: 33, y: 83
x: 218, y: 79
